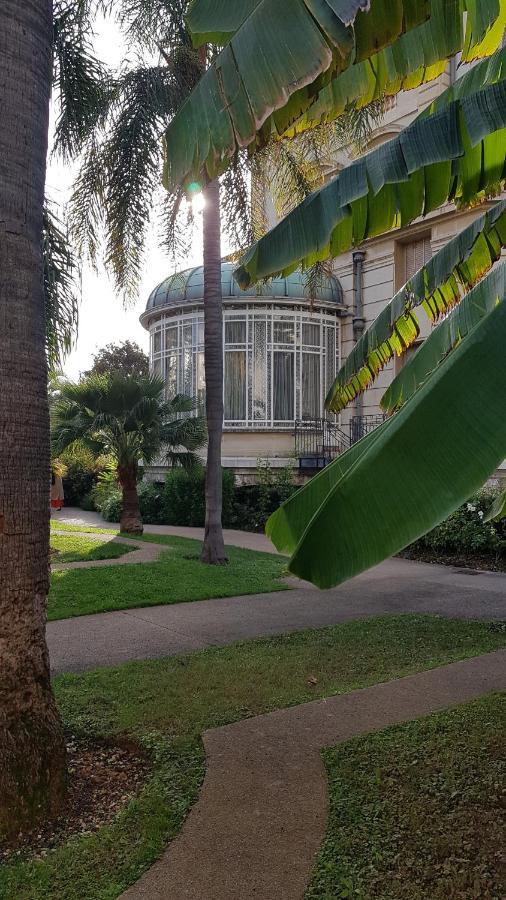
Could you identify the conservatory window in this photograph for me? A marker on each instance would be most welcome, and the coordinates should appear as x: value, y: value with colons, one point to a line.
x: 278, y: 362
x: 283, y: 386
x: 235, y: 385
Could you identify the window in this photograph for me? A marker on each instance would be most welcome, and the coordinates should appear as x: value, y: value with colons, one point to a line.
x: 416, y: 254
x: 279, y: 362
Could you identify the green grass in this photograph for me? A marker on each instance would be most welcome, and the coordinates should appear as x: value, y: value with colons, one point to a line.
x: 72, y: 548
x: 84, y: 529
x: 166, y: 704
x: 417, y: 811
x: 174, y: 578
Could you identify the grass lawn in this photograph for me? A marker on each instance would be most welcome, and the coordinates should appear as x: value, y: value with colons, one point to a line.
x: 72, y: 548
x: 166, y: 704
x: 177, y: 577
x: 417, y: 810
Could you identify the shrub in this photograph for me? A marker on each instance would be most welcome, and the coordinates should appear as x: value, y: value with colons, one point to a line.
x: 184, y: 496
x: 254, y: 503
x: 80, y: 474
x: 465, y: 532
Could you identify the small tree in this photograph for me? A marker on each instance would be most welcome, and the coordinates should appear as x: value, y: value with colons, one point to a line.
x: 126, y: 358
x: 128, y: 418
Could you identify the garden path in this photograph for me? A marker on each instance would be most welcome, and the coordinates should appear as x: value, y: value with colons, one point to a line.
x: 145, y: 553
x: 396, y: 586
x: 250, y: 541
x: 257, y: 827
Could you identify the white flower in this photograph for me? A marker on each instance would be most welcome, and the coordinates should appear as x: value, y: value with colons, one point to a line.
x: 480, y: 513
x: 470, y: 507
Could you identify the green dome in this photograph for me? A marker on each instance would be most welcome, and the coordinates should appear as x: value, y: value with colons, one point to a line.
x: 188, y: 287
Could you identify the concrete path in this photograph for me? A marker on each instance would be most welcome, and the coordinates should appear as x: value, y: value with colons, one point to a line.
x: 396, y: 586
x: 250, y: 541
x: 145, y: 552
x: 257, y: 827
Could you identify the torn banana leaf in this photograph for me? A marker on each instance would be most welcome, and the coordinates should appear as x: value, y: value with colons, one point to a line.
x: 437, y: 287
x: 412, y: 472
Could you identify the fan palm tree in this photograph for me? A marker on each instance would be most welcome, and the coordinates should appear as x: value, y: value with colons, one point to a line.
x: 32, y: 749
x: 128, y: 418
x: 411, y: 472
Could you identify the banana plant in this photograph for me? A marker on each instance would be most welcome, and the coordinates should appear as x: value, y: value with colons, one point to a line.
x: 448, y: 433
x: 454, y: 150
x: 317, y: 57
x: 404, y: 478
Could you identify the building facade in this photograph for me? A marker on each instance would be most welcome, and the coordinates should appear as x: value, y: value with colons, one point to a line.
x: 283, y: 348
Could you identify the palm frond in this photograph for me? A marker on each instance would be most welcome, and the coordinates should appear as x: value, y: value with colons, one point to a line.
x: 82, y: 83
x: 62, y: 290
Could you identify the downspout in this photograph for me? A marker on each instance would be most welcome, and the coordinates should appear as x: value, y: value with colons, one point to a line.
x: 358, y: 317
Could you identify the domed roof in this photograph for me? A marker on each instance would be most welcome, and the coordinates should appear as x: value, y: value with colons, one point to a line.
x: 188, y: 287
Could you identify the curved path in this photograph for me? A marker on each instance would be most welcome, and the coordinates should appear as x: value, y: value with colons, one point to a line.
x: 144, y: 553
x: 247, y: 539
x: 257, y: 827
x: 396, y: 586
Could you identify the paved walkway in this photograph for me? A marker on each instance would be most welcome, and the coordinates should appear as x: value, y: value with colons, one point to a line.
x: 250, y: 541
x: 394, y: 587
x: 145, y: 552
x: 257, y: 827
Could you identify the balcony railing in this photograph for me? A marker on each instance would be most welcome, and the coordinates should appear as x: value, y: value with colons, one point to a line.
x: 319, y: 441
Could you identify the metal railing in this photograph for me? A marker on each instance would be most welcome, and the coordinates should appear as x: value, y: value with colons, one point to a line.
x: 319, y: 441
x: 362, y: 425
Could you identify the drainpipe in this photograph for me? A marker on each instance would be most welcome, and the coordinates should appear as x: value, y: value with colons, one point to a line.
x: 358, y: 317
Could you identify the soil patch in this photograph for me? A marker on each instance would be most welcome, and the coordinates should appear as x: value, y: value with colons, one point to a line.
x: 460, y: 561
x: 103, y: 778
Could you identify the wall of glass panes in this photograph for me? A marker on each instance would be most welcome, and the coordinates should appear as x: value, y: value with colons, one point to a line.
x: 279, y: 362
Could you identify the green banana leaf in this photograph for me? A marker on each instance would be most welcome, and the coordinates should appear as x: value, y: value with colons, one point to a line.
x: 438, y: 286
x: 455, y: 149
x: 412, y: 472
x: 498, y: 509
x: 283, y: 46
x: 451, y: 331
x: 416, y: 58
x: 247, y: 98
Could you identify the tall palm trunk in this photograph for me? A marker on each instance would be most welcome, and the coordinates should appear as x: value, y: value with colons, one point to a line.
x: 213, y: 551
x: 131, y: 521
x: 32, y: 749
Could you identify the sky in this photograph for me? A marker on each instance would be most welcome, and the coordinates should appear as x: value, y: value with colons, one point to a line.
x: 103, y: 318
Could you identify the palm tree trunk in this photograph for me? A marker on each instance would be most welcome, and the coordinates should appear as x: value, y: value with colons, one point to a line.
x: 213, y: 550
x: 131, y: 521
x: 32, y: 749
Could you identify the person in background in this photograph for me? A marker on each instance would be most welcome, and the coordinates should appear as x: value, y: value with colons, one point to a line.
x: 57, y: 495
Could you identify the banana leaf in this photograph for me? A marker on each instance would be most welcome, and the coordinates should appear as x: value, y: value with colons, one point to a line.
x: 384, y: 190
x: 246, y: 98
x: 411, y: 473
x: 416, y: 57
x: 498, y: 509
x: 440, y: 343
x: 437, y: 287
x: 283, y: 47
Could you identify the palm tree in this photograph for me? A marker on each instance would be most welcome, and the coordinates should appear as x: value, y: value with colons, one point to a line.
x: 413, y: 471
x: 32, y: 749
x: 128, y: 418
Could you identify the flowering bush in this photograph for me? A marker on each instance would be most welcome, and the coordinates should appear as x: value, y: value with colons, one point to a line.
x: 466, y: 532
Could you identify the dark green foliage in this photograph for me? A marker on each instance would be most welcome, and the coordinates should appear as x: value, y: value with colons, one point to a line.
x: 184, y: 497
x: 466, y: 532
x: 78, y: 483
